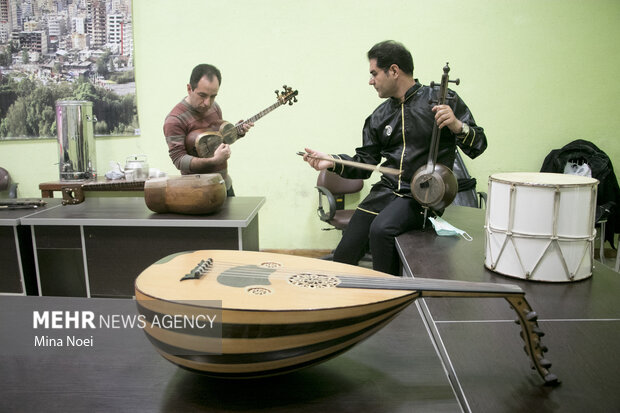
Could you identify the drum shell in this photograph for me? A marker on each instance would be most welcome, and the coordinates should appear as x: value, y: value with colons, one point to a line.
x: 187, y: 194
x: 540, y: 226
x: 76, y: 140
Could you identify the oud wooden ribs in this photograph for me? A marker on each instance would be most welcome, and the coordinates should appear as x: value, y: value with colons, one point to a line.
x: 266, y: 328
x: 276, y: 313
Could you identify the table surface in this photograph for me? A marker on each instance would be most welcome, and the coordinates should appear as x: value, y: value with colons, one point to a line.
x: 396, y: 370
x: 132, y: 211
x: 12, y: 217
x: 581, y: 321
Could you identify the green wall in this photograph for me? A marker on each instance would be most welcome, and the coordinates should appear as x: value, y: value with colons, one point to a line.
x: 536, y: 74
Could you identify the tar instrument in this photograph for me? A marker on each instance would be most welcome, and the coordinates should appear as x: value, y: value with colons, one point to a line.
x: 206, y: 141
x: 434, y: 185
x: 72, y: 194
x: 271, y: 313
x: 186, y: 194
x: 540, y: 226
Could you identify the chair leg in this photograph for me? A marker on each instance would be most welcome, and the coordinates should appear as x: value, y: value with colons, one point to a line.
x: 601, y: 253
x: 617, y: 267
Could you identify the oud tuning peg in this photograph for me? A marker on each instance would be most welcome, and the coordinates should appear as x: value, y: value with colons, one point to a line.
x: 551, y: 379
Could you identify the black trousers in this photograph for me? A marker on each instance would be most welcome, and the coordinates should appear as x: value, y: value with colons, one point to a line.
x: 378, y: 233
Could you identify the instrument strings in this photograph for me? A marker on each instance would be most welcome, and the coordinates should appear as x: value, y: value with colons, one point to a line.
x: 245, y: 270
x: 356, y: 280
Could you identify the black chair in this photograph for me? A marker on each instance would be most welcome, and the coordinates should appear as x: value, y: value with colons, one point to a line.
x: 332, y: 189
x: 467, y: 194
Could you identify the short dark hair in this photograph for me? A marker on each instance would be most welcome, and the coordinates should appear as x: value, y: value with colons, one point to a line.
x: 390, y: 52
x: 204, y: 70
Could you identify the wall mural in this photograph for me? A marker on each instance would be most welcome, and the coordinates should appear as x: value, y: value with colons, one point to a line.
x: 52, y: 50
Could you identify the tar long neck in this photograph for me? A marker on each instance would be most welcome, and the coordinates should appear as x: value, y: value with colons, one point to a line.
x: 256, y: 117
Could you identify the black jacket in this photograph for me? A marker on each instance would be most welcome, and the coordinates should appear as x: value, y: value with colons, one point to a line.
x: 608, y: 196
x: 383, y: 137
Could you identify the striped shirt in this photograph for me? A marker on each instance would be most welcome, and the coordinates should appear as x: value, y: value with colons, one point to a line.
x: 178, y: 124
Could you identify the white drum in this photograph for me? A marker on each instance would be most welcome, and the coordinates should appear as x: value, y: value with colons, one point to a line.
x: 540, y: 226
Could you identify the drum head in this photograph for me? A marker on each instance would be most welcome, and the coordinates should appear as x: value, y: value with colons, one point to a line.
x: 541, y: 179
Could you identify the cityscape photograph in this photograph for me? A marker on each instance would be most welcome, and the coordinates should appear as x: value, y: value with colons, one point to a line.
x: 66, y: 50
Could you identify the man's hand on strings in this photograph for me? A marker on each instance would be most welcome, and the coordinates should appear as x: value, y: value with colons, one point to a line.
x: 246, y: 127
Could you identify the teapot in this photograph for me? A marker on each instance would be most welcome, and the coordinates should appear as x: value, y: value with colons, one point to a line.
x: 139, y: 166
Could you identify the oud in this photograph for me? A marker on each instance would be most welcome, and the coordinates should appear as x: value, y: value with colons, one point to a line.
x: 277, y: 313
x: 206, y: 141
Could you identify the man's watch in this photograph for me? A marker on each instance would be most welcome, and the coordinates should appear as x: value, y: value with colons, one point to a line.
x: 464, y: 131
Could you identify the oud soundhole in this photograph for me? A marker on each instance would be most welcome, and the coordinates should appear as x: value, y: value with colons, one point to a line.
x: 259, y: 291
x: 270, y: 264
x: 309, y: 280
